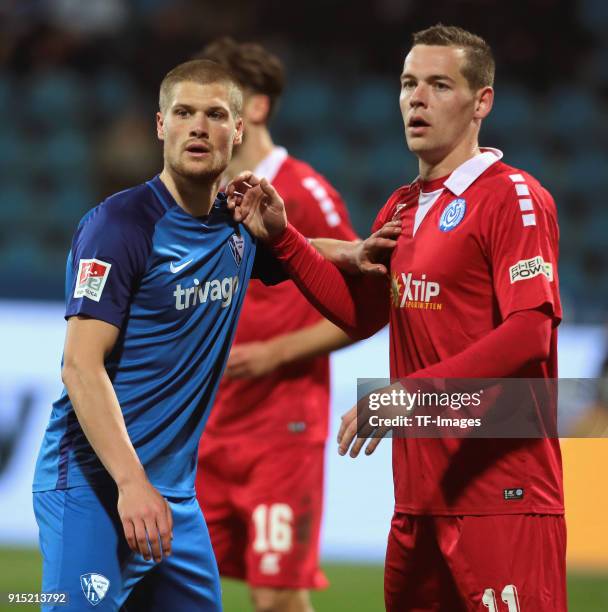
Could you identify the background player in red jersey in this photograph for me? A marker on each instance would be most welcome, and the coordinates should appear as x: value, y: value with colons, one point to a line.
x: 261, y: 462
x: 478, y: 523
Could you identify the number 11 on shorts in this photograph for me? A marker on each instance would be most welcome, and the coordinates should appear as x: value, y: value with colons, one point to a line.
x: 508, y: 595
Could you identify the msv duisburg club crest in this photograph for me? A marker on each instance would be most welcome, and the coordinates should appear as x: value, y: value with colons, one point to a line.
x: 452, y: 214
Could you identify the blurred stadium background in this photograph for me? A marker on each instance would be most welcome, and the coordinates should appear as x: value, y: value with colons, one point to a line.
x: 78, y: 91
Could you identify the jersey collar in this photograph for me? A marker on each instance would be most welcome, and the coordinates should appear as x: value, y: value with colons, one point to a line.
x: 466, y: 174
x: 268, y: 168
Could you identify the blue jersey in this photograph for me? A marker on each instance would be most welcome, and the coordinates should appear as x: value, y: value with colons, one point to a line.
x: 173, y: 284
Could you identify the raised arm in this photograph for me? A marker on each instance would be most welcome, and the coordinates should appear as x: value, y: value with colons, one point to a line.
x: 144, y: 513
x: 357, y: 304
x: 369, y: 256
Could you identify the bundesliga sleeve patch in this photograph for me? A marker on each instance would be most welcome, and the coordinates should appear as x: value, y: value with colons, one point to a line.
x: 529, y: 268
x: 92, y: 277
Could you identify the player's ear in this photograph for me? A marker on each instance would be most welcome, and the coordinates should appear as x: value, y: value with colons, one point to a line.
x: 484, y: 98
x: 257, y: 108
x: 160, y: 126
x: 238, y: 131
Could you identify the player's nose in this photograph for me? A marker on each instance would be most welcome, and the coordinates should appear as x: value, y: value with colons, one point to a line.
x: 418, y: 96
x: 200, y: 128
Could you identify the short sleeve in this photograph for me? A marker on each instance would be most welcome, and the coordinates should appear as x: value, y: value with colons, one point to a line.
x: 523, y: 248
x: 107, y: 259
x: 267, y: 268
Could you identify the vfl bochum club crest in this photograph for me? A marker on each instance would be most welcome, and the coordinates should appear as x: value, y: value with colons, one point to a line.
x: 452, y: 215
x: 237, y: 247
x: 94, y: 587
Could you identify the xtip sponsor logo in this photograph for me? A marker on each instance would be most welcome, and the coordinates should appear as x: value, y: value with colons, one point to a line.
x: 529, y: 268
x: 452, y: 215
x: 94, y: 587
x: 92, y: 277
x: 409, y: 292
x: 212, y: 291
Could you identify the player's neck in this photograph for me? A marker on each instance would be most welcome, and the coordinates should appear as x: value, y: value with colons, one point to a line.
x: 257, y: 145
x: 431, y: 168
x: 195, y: 198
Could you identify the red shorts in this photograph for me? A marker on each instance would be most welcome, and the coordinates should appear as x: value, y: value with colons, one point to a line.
x: 263, y: 504
x: 506, y: 563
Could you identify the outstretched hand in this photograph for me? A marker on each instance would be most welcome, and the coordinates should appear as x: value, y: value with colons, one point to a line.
x: 372, y: 255
x: 257, y: 204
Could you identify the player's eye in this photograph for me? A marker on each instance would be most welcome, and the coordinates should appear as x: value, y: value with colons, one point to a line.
x: 217, y: 114
x: 181, y: 112
x: 408, y: 84
x: 439, y: 86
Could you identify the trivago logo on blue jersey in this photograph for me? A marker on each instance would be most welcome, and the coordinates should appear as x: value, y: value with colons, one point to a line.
x: 208, y: 291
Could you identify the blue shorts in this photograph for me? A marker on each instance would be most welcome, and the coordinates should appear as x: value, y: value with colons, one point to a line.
x: 85, y: 554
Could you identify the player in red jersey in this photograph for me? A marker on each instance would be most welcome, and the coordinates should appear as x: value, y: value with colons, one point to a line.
x: 261, y: 460
x: 478, y: 523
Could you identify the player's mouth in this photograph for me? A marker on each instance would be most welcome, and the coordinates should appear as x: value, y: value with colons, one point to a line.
x: 417, y: 126
x: 197, y: 149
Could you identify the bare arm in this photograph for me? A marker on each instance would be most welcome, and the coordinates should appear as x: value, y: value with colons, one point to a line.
x: 252, y: 359
x: 141, y: 508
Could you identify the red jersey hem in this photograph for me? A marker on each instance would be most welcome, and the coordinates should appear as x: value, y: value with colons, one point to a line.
x: 492, y: 511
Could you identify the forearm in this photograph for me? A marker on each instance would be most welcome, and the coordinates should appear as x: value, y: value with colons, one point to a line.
x: 318, y: 339
x: 357, y: 304
x: 522, y: 339
x: 342, y: 253
x: 99, y: 414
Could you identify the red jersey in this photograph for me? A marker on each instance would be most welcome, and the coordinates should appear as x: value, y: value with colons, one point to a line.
x: 475, y: 248
x: 294, y: 399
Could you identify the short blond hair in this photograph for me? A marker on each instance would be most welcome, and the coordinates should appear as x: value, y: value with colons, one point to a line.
x: 204, y: 72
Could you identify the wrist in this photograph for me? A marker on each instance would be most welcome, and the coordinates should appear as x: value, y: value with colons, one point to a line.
x: 279, y: 350
x: 127, y: 478
x: 278, y: 236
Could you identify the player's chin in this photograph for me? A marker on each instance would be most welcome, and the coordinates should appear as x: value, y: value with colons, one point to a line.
x: 416, y: 143
x: 199, y: 171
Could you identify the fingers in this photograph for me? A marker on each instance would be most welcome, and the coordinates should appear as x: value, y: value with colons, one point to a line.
x: 356, y: 447
x: 242, y: 182
x: 357, y: 435
x: 142, y: 539
x: 129, y: 530
x: 165, y: 532
x: 241, y: 370
x: 374, y: 269
x: 268, y: 189
x: 348, y: 430
x: 392, y: 228
x: 169, y: 518
x: 373, y: 443
x: 378, y: 242
x: 154, y: 536
x: 345, y: 422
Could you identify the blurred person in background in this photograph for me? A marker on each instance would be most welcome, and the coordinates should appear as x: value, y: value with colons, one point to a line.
x: 261, y: 460
x: 473, y: 294
x: 155, y: 281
